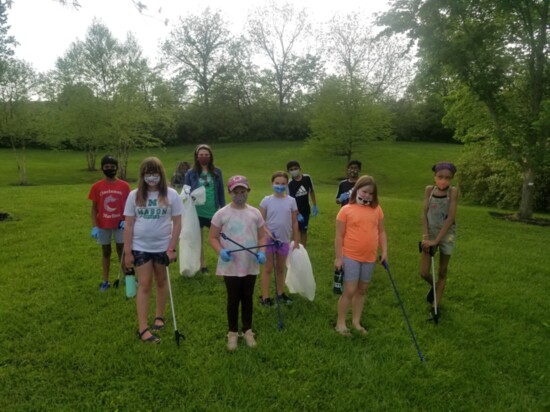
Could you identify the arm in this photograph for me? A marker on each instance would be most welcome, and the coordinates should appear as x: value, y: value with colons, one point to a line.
x: 295, y: 229
x: 267, y: 232
x: 128, y: 236
x: 94, y: 214
x: 383, y: 241
x: 214, y: 238
x: 313, y: 198
x: 425, y: 228
x: 453, y: 200
x: 339, y: 243
x: 176, y: 230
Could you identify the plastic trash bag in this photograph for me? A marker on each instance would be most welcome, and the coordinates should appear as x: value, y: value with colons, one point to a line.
x: 190, y: 236
x: 299, y: 275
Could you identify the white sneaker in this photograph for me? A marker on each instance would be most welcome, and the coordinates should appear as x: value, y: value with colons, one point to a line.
x: 249, y: 338
x: 232, y: 338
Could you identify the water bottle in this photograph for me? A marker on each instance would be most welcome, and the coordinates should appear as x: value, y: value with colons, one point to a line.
x: 130, y: 281
x: 338, y: 279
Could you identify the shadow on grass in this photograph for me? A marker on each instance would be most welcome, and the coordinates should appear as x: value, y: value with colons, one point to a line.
x: 513, y: 217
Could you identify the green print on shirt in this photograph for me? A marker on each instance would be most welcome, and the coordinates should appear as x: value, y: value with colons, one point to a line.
x: 152, y: 202
x: 151, y: 213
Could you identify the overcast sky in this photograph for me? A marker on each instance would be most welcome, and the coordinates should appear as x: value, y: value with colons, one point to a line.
x: 44, y: 29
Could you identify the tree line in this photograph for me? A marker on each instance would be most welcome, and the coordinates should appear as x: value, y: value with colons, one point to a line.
x: 473, y: 71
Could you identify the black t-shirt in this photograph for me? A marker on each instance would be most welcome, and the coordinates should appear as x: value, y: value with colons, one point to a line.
x: 343, y: 187
x: 300, y: 190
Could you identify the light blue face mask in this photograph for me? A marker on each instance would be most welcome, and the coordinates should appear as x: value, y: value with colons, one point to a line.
x: 279, y: 188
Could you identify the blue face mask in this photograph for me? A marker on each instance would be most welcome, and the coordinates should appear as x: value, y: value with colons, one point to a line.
x: 279, y: 188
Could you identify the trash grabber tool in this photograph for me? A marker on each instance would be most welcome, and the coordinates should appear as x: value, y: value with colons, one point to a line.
x: 385, y: 264
x: 224, y: 236
x: 117, y: 281
x: 177, y: 334
x: 435, y: 313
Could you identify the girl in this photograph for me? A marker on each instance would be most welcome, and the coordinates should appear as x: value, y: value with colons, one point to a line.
x: 153, y: 224
x: 360, y: 233
x: 281, y: 215
x: 438, y: 222
x: 204, y: 173
x: 243, y: 224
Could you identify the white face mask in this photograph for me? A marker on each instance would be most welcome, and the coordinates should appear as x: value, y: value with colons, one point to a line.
x: 362, y: 201
x: 152, y: 180
x: 294, y: 173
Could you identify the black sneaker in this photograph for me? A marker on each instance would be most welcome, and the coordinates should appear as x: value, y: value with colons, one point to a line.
x: 430, y: 296
x: 284, y: 298
x: 267, y: 302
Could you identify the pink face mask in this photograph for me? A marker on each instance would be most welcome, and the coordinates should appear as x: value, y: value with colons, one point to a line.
x: 203, y: 161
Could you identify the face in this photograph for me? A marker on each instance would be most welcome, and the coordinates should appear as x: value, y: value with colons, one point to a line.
x: 109, y: 169
x: 294, y: 171
x: 443, y: 179
x: 365, y: 195
x: 353, y: 171
x: 151, y: 178
x: 203, y: 157
x: 239, y: 195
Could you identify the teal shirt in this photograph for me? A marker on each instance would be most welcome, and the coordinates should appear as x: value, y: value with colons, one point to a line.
x: 209, y: 208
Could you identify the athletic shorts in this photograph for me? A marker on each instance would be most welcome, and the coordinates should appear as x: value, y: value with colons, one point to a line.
x: 141, y: 258
x: 282, y: 250
x: 205, y: 222
x: 354, y: 270
x: 104, y: 236
x: 303, y: 225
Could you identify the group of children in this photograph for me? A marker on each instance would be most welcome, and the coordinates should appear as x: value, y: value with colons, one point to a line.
x: 245, y: 237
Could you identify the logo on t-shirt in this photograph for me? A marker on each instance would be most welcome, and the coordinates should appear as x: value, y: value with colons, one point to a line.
x: 301, y: 191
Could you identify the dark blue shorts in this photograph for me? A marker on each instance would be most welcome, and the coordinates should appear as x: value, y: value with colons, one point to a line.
x: 204, y: 221
x: 302, y: 226
x: 140, y: 258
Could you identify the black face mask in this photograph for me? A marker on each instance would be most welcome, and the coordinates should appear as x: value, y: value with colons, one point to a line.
x: 109, y: 172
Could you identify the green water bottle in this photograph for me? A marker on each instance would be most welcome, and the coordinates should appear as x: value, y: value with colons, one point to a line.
x: 130, y: 281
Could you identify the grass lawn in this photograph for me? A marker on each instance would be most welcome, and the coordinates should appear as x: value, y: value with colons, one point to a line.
x: 64, y: 346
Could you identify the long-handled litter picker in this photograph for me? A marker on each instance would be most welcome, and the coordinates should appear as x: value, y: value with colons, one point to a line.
x: 435, y: 313
x: 385, y: 264
x: 177, y: 334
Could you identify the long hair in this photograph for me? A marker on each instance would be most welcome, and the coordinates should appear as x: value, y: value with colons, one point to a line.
x: 151, y: 165
x: 197, y: 166
x: 362, y: 182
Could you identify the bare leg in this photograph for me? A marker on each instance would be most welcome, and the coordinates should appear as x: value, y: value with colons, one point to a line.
x: 425, y: 260
x: 162, y: 289
x: 442, y: 279
x: 344, y: 303
x: 357, y: 304
x: 106, y: 260
x: 145, y: 277
x: 280, y: 262
x: 266, y: 274
x: 303, y: 238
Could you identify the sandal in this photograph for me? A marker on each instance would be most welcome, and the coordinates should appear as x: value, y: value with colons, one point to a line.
x: 156, y: 327
x: 343, y: 332
x: 150, y: 339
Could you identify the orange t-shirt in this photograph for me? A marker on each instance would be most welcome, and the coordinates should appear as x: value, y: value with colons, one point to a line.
x: 361, y: 236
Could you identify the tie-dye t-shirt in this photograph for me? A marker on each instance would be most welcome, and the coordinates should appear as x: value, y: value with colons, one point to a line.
x: 242, y: 226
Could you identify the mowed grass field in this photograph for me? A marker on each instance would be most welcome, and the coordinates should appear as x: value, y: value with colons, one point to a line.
x: 64, y: 346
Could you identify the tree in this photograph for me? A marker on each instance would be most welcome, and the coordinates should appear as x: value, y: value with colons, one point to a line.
x: 344, y: 119
x: 498, y: 50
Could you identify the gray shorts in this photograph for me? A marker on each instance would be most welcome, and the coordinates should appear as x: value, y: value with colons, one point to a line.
x: 105, y: 235
x: 354, y: 270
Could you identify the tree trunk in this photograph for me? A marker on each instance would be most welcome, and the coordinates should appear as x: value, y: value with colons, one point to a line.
x: 527, y: 194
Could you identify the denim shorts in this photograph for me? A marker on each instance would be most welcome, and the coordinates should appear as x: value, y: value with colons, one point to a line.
x: 302, y: 226
x: 105, y: 235
x: 354, y: 270
x: 140, y: 258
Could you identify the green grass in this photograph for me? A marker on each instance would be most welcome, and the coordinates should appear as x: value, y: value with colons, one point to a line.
x: 64, y: 346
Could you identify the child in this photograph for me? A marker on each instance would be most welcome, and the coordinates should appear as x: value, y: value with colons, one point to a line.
x: 300, y: 188
x: 438, y: 222
x: 346, y: 185
x: 359, y: 234
x: 108, y: 198
x: 204, y: 173
x: 243, y: 224
x: 153, y: 224
x: 280, y: 213
x: 179, y: 175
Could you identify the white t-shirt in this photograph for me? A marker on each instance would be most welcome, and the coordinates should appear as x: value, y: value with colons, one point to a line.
x: 279, y: 215
x: 153, y: 223
x: 242, y: 226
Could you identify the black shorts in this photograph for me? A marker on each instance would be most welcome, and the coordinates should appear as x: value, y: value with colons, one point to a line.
x: 205, y: 222
x: 140, y: 258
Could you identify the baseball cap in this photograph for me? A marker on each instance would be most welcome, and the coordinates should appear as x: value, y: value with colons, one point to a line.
x: 236, y: 181
x: 108, y: 159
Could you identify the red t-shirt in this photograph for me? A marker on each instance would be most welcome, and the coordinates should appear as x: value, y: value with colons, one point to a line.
x: 110, y: 198
x: 361, y: 236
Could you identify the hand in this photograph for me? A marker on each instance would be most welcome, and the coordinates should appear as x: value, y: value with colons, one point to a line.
x: 300, y: 218
x: 121, y: 224
x: 343, y: 197
x: 260, y: 258
x: 314, y: 210
x: 95, y: 232
x: 225, y: 255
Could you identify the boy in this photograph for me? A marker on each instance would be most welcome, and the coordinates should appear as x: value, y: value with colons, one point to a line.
x: 108, y: 198
x: 300, y: 188
x: 346, y: 185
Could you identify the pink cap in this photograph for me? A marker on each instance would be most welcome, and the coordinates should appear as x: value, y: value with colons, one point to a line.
x: 236, y: 181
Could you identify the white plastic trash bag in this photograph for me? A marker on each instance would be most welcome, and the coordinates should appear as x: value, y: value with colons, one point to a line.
x: 299, y: 275
x: 190, y: 237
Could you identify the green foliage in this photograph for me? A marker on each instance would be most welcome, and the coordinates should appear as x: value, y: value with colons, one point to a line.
x: 345, y: 119
x: 68, y: 347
